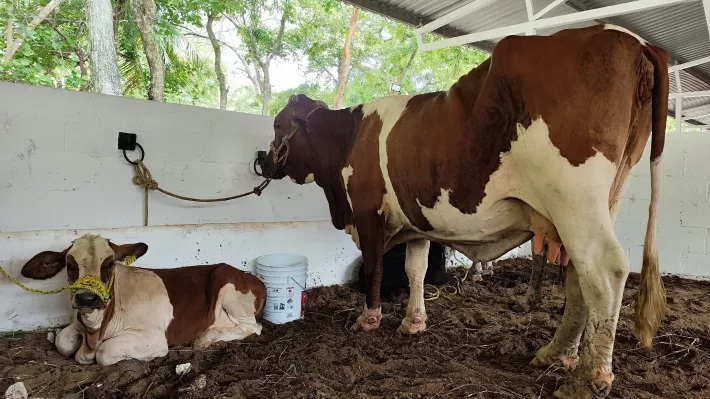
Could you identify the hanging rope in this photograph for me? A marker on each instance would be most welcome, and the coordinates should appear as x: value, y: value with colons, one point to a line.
x: 89, y: 283
x: 144, y: 179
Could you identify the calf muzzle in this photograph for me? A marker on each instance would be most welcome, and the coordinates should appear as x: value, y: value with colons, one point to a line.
x: 85, y: 299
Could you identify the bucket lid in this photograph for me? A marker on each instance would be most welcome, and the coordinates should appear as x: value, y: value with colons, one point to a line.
x: 281, y: 260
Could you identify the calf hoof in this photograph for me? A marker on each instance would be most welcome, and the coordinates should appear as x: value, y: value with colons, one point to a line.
x: 546, y: 357
x: 414, y: 325
x: 477, y: 278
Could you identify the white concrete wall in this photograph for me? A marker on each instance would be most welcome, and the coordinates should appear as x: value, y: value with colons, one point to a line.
x: 684, y: 210
x: 61, y: 176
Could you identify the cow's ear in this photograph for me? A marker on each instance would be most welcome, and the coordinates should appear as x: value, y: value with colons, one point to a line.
x: 45, y: 265
x: 136, y: 250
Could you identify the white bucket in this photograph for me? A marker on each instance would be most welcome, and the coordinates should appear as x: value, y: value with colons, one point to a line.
x: 284, y: 276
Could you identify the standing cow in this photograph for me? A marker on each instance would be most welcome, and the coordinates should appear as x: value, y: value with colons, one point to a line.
x: 538, y: 141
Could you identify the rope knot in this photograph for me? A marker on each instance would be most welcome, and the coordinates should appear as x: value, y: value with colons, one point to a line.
x: 143, y: 177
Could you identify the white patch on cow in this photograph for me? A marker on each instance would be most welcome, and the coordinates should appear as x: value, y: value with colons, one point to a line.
x: 142, y: 314
x: 389, y: 109
x: 310, y: 178
x: 622, y: 29
x: 415, y: 264
x: 68, y: 341
x: 533, y: 171
x: 347, y: 172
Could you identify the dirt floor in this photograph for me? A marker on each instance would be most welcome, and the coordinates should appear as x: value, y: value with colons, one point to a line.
x: 474, y: 347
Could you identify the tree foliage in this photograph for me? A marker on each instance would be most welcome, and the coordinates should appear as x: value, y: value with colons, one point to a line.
x: 255, y: 33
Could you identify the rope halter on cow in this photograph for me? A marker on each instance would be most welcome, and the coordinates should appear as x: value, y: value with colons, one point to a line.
x: 89, y: 283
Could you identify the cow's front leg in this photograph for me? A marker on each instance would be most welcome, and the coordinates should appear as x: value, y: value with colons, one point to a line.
x: 371, y: 234
x: 68, y: 341
x: 415, y: 264
x: 141, y: 346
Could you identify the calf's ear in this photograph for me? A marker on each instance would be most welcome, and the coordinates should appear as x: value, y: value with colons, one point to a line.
x: 136, y: 250
x: 45, y: 265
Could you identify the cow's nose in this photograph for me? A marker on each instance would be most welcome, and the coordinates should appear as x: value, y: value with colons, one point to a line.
x: 86, y: 299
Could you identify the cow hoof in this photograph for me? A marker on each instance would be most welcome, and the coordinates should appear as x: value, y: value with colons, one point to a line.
x: 546, y: 357
x: 368, y: 320
x: 477, y: 278
x: 414, y: 326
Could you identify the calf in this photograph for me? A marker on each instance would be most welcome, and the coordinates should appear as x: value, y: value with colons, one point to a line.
x: 148, y: 310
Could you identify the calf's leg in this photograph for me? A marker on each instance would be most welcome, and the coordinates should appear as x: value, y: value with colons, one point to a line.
x: 235, y: 321
x: 533, y: 296
x: 415, y: 265
x: 68, y: 341
x: 140, y: 345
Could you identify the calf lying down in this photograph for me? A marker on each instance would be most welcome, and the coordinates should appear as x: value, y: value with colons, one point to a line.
x: 148, y: 310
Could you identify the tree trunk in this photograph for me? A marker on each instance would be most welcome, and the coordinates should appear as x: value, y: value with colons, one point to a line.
x: 266, y: 91
x: 223, y: 91
x: 344, y: 67
x: 104, y: 63
x: 405, y: 70
x: 144, y: 14
x: 14, y: 44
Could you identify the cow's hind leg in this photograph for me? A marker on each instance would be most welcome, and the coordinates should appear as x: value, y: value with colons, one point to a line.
x: 236, y: 321
x: 601, y: 268
x: 565, y: 344
x: 415, y: 265
x: 533, y: 296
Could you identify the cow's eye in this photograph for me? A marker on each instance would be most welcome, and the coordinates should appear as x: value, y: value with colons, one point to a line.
x: 108, y: 262
x: 277, y: 126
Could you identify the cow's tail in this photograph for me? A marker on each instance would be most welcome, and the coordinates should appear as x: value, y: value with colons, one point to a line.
x: 651, y: 298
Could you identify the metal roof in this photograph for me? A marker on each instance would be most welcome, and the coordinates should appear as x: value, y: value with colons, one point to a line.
x: 681, y: 29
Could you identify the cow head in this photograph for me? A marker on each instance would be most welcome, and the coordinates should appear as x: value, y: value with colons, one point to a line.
x: 290, y: 153
x: 89, y: 255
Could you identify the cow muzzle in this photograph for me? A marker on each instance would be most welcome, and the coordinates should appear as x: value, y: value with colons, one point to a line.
x: 269, y: 168
x: 86, y: 300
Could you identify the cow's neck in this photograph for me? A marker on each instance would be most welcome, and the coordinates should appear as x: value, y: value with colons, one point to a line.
x: 333, y: 133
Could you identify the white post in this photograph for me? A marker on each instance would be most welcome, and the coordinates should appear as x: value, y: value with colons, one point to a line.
x: 528, y: 5
x: 678, y: 103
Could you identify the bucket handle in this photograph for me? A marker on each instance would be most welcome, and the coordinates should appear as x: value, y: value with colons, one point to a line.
x: 299, y: 285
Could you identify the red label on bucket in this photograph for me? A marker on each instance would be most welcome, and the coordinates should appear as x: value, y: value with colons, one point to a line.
x: 303, y: 303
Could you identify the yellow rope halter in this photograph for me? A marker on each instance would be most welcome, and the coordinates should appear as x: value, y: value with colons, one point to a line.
x: 89, y: 283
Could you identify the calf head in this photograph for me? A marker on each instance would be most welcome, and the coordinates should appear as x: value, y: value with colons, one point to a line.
x: 291, y: 152
x: 90, y: 255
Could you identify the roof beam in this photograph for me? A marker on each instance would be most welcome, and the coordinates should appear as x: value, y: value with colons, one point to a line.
x: 454, y: 15
x: 583, y: 16
x: 547, y: 9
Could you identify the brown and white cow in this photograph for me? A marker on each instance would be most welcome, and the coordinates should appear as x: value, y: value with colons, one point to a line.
x: 537, y: 141
x: 149, y: 309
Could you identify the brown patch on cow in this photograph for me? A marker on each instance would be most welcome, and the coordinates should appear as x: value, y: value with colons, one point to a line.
x: 193, y: 293
x: 590, y: 66
x: 332, y: 135
x: 366, y: 187
x: 476, y: 118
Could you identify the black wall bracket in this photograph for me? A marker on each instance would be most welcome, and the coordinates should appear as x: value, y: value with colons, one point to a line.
x: 127, y: 141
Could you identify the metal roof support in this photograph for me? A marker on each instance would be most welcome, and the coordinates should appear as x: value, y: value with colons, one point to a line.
x: 529, y: 8
x: 547, y: 9
x: 690, y: 94
x: 688, y: 118
x: 583, y: 16
x: 690, y: 64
